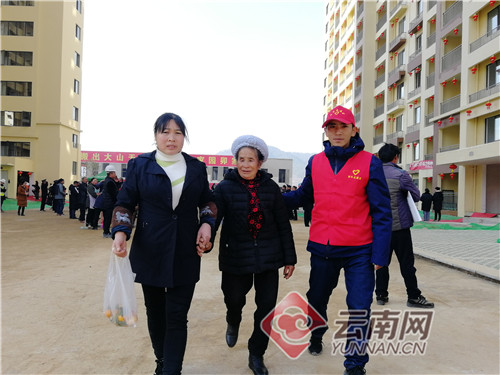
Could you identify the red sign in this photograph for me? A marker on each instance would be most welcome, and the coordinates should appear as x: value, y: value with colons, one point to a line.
x: 124, y: 157
x: 422, y: 164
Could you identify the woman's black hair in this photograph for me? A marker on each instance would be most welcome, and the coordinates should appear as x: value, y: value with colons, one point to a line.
x: 162, y: 121
x: 259, y: 154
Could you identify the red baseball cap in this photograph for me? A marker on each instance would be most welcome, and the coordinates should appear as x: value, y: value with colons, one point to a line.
x: 341, y: 114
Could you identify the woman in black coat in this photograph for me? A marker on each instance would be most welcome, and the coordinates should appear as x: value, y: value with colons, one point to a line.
x: 426, y: 200
x: 255, y: 241
x: 437, y: 203
x: 175, y: 220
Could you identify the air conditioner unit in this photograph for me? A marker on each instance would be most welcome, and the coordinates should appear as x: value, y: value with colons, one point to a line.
x: 8, y: 118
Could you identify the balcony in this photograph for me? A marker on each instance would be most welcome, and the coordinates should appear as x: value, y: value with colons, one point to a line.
x: 348, y: 75
x: 452, y: 12
x: 490, y: 35
x: 361, y: 7
x: 378, y: 111
x: 357, y: 91
x: 337, y: 44
x: 336, y: 66
x: 429, y: 80
x: 415, y: 60
x: 380, y: 52
x: 485, y: 93
x: 413, y: 128
x: 381, y: 22
x: 379, y: 80
x: 414, y: 92
x: 395, y: 137
x: 335, y: 88
x: 449, y: 148
x: 415, y: 22
x: 431, y: 3
x: 451, y: 59
x: 378, y: 139
x: 429, y: 157
x: 359, y: 36
x: 359, y: 64
x: 428, y: 121
x: 450, y: 104
x: 400, y: 7
x: 431, y: 39
x: 396, y: 74
x: 394, y: 106
x: 397, y: 42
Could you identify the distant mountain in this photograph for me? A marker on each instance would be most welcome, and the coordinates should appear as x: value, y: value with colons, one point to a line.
x: 300, y: 160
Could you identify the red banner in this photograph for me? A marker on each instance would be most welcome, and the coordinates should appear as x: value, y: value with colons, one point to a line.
x: 422, y: 164
x: 124, y: 157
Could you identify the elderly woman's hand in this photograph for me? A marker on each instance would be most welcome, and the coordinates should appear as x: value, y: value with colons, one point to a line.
x: 288, y: 271
x: 203, y: 239
x: 119, y: 247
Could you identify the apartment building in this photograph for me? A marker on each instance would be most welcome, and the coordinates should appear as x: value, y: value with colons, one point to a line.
x: 425, y: 76
x: 41, y: 56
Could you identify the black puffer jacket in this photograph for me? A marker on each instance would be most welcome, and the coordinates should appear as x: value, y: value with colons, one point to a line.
x: 239, y: 253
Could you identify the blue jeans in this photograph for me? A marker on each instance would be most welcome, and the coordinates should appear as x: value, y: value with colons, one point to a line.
x: 360, y: 283
x: 427, y: 215
x: 59, y: 206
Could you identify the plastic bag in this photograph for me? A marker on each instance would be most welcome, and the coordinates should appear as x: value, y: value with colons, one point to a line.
x: 120, y: 303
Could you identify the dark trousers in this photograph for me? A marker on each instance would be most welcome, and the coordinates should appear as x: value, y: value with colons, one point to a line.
x: 235, y: 289
x: 90, y: 220
x: 107, y: 215
x: 167, y: 310
x: 59, y: 206
x: 360, y: 282
x: 82, y: 207
x: 437, y: 215
x: 402, y: 245
x: 43, y: 202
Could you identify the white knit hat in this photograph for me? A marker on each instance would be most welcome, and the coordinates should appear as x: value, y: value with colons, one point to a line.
x: 250, y: 141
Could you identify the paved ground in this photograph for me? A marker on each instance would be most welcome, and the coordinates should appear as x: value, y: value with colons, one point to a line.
x: 53, y: 274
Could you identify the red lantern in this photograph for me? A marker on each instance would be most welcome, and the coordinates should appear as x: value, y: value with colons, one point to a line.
x: 443, y: 83
x: 411, y: 34
x: 396, y: 53
x: 452, y: 175
x: 473, y: 69
x: 433, y: 21
x: 453, y: 167
x: 468, y: 112
x: 430, y: 139
x: 415, y: 101
x: 417, y: 70
x: 394, y: 85
x: 475, y: 17
x: 431, y: 98
x: 455, y: 31
x: 454, y: 80
x: 431, y: 59
x: 411, y: 105
x: 492, y: 2
x: 30, y: 173
x: 19, y: 172
x: 441, y: 175
x: 410, y: 73
x: 450, y: 119
x: 418, y: 27
x: 407, y: 146
x: 429, y: 179
x: 492, y: 59
x: 488, y: 105
x: 445, y: 41
x: 392, y: 25
x: 392, y: 57
x: 415, y: 144
x: 440, y: 122
x: 390, y: 87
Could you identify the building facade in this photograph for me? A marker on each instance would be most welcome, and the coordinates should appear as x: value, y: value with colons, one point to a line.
x: 41, y: 57
x: 425, y: 76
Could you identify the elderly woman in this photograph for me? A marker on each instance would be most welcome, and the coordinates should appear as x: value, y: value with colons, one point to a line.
x: 175, y: 219
x: 256, y: 240
x: 22, y: 197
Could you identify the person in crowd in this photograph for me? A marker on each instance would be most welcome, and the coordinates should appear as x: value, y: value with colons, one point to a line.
x: 400, y: 185
x: 74, y: 198
x: 45, y: 189
x: 22, y: 197
x: 3, y: 191
x: 59, y: 196
x: 36, y: 191
x: 350, y: 229
x: 82, y: 199
x: 294, y: 210
x: 107, y: 199
x: 175, y: 223
x: 437, y: 203
x: 426, y: 200
x: 256, y: 241
x: 92, y: 218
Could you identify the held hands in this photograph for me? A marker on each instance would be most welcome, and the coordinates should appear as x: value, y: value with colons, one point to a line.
x: 203, y: 239
x: 288, y: 271
x: 119, y: 247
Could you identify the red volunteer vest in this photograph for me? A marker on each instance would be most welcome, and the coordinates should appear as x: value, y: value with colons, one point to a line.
x: 341, y: 213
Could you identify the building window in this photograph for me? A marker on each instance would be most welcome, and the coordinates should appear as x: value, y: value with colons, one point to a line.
x: 400, y: 91
x: 399, y: 123
x: 401, y: 26
x: 76, y: 86
x: 16, y: 149
x: 74, y: 168
x: 401, y: 57
x: 492, y: 129
x: 77, y: 59
x: 215, y: 173
x: 418, y: 43
x: 17, y: 58
x: 416, y: 151
x: 417, y: 115
x: 16, y: 28
x: 79, y: 6
x: 78, y: 32
x: 493, y: 74
x: 418, y: 79
x: 493, y: 20
x: 18, y: 3
x: 11, y: 118
x: 75, y: 140
x: 75, y: 113
x: 420, y: 7
x: 13, y: 88
x: 282, y: 175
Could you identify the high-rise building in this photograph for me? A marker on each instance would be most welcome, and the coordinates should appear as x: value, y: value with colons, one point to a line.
x: 425, y: 76
x: 41, y: 57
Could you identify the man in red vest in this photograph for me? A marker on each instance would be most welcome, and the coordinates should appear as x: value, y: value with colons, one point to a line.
x: 350, y: 229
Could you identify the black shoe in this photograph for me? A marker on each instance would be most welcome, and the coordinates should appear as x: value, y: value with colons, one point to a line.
x: 159, y: 367
x: 420, y: 301
x: 256, y: 364
x: 357, y: 370
x: 232, y: 335
x: 315, y: 346
x: 382, y: 300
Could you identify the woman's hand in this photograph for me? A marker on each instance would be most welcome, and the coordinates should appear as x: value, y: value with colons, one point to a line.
x: 288, y: 272
x: 120, y: 244
x: 203, y: 239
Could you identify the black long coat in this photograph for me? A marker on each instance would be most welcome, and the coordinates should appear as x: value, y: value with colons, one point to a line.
x: 426, y: 199
x: 239, y: 253
x: 163, y: 251
x: 437, y: 201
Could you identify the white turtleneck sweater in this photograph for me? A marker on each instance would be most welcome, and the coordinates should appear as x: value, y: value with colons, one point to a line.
x: 175, y: 168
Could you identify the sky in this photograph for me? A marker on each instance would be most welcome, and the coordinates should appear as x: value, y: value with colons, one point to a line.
x: 228, y: 68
